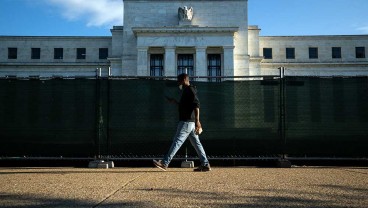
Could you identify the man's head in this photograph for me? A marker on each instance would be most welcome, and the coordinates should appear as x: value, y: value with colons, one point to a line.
x: 183, y: 79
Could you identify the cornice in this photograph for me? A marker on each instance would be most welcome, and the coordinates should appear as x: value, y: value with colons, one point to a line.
x: 176, y: 0
x: 193, y: 29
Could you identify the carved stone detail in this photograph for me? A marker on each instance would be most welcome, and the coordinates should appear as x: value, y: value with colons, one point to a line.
x: 185, y: 13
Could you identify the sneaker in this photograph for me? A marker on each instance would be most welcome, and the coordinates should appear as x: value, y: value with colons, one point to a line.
x: 160, y: 165
x: 203, y: 168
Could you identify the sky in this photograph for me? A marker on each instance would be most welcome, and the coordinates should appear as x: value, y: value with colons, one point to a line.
x: 96, y: 17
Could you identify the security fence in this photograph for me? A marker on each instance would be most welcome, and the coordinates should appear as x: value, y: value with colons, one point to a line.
x: 326, y: 116
x: 129, y: 117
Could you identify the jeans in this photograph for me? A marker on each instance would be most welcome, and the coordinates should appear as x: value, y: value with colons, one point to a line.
x: 183, y: 131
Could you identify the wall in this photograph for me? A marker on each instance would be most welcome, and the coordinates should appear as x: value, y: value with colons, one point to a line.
x: 325, y: 65
x: 47, y: 65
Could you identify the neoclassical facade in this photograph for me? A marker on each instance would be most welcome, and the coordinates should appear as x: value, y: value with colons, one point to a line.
x: 154, y: 36
x: 168, y: 37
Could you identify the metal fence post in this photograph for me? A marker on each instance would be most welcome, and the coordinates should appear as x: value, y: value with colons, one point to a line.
x: 98, y: 116
x: 283, y: 162
x: 108, y: 117
x: 99, y: 162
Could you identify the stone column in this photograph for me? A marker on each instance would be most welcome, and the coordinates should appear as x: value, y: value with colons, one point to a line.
x: 228, y: 60
x: 201, y: 60
x: 117, y: 41
x: 253, y: 45
x: 169, y: 62
x: 253, y: 49
x: 116, y: 69
x: 142, y: 59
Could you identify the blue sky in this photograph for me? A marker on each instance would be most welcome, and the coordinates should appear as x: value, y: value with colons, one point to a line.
x: 96, y: 17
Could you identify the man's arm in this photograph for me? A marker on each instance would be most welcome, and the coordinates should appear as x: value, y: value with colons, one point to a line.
x: 196, y: 104
x: 197, y: 122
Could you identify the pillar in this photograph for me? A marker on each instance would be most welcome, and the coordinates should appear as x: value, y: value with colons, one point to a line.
x: 169, y: 62
x: 116, y: 67
x: 142, y: 59
x: 228, y: 60
x: 201, y: 60
x: 253, y: 49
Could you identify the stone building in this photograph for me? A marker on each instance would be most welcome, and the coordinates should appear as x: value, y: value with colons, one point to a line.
x: 53, y: 56
x: 315, y: 55
x: 200, y: 37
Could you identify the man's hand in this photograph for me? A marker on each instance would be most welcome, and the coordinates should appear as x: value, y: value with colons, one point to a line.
x: 198, y: 127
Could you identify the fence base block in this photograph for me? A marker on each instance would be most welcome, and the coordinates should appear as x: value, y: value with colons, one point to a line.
x: 187, y: 164
x: 111, y: 164
x: 283, y: 163
x: 101, y: 164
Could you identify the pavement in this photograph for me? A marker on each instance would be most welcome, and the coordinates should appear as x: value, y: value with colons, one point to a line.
x: 149, y: 187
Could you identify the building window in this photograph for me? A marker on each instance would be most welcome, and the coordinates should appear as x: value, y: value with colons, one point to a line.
x: 81, y: 53
x: 58, y: 53
x: 35, y: 53
x: 12, y: 53
x: 267, y: 53
x: 103, y: 53
x: 290, y: 53
x: 214, y: 67
x: 360, y: 52
x: 313, y: 53
x: 185, y: 64
x: 336, y: 52
x: 156, y: 64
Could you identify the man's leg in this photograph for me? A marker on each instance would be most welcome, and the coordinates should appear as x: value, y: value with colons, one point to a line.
x: 182, y: 132
x: 194, y: 139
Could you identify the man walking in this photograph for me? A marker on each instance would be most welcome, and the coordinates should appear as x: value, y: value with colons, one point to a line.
x: 189, y: 126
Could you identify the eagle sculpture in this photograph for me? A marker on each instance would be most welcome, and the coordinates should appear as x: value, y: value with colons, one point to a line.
x: 185, y: 13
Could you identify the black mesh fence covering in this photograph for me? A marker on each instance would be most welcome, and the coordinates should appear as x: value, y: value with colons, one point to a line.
x: 47, y: 118
x: 130, y: 118
x: 239, y: 118
x: 326, y: 116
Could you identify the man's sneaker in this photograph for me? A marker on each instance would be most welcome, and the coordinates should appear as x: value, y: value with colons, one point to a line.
x: 203, y: 168
x: 160, y: 165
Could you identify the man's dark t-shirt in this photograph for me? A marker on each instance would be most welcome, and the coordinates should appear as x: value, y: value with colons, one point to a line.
x: 188, y: 102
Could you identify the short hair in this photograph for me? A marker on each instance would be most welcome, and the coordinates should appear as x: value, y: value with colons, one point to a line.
x: 182, y: 77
